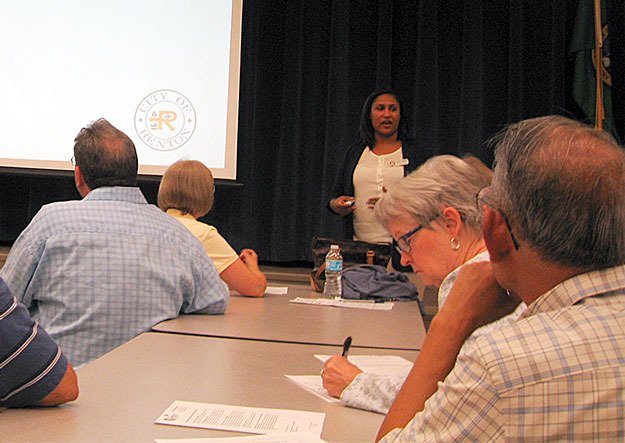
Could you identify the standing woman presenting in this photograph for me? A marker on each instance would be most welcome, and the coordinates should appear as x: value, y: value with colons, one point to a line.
x: 382, y: 155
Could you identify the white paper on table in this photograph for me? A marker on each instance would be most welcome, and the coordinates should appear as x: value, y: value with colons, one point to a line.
x: 314, y: 384
x: 282, y: 437
x: 391, y: 365
x: 358, y: 304
x: 241, y: 418
x: 277, y: 290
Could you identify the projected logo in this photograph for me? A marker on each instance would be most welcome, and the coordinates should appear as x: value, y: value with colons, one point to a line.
x: 165, y: 120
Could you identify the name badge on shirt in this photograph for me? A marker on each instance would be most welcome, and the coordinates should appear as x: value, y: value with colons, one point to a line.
x: 393, y: 163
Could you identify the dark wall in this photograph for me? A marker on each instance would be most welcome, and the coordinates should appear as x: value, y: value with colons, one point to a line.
x: 462, y: 68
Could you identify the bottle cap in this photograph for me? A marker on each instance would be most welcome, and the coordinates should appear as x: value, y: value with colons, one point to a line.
x: 334, y: 246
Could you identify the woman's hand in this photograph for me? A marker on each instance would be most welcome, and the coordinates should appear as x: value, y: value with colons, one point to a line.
x: 371, y: 201
x: 337, y: 374
x: 250, y: 258
x: 343, y: 205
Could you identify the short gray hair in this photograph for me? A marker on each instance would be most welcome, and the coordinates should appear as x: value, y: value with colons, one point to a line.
x: 442, y: 181
x: 562, y: 185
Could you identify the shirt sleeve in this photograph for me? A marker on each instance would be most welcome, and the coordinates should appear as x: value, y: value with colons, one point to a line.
x: 343, y: 184
x: 462, y: 409
x: 21, y: 264
x: 31, y: 363
x: 217, y: 248
x: 210, y: 295
x: 372, y: 392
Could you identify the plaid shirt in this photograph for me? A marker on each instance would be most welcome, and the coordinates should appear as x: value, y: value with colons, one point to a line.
x: 97, y: 272
x: 557, y: 373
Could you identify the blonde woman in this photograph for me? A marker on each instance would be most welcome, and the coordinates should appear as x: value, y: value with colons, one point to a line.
x: 187, y: 193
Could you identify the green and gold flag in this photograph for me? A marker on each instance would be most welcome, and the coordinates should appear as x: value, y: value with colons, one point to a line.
x: 583, y: 49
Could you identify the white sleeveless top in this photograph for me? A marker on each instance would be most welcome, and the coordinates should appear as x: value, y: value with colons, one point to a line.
x: 372, y: 174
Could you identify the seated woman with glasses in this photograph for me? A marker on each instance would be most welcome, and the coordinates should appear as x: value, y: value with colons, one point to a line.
x: 436, y: 221
x: 187, y: 193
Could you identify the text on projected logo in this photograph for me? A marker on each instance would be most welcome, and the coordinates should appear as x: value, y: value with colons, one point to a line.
x: 165, y: 120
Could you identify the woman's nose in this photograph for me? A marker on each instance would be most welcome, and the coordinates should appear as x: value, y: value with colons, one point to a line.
x: 405, y: 259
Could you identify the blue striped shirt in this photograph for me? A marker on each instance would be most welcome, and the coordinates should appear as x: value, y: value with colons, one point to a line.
x: 31, y: 364
x: 556, y: 374
x: 97, y: 272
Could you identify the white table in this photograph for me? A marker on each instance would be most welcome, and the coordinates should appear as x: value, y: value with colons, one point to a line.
x: 123, y: 392
x: 274, y: 318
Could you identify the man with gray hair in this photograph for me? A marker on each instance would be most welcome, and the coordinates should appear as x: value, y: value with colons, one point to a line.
x: 97, y: 272
x: 554, y: 225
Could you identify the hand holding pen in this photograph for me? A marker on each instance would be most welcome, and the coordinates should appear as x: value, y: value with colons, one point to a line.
x: 338, y: 372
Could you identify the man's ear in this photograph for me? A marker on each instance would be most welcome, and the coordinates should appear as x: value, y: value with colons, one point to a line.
x: 496, y: 235
x: 79, y: 181
x: 453, y: 221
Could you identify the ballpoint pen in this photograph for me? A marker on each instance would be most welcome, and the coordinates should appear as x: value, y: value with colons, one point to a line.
x: 346, y: 344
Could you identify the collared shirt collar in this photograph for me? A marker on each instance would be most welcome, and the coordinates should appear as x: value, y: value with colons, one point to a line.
x: 117, y: 193
x: 575, y: 289
x: 178, y: 213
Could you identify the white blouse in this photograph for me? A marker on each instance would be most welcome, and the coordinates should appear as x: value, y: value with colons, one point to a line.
x: 373, y: 173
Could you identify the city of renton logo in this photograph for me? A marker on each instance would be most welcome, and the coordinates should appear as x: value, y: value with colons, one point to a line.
x: 165, y: 120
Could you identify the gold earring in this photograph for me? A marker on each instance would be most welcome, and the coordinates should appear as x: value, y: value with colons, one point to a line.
x: 454, y: 243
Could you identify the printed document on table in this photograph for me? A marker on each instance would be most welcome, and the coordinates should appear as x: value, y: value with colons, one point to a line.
x: 241, y: 419
x: 391, y: 365
x: 358, y: 304
x: 282, y: 437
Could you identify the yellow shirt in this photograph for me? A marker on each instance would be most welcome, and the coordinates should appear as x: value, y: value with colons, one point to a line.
x: 217, y: 248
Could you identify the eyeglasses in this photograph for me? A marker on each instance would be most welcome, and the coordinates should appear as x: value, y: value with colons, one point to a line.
x: 482, y: 198
x: 403, y: 242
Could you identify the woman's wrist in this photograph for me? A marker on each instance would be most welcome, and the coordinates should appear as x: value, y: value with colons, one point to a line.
x: 351, y: 383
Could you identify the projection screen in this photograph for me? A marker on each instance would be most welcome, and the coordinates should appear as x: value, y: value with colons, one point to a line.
x: 164, y: 72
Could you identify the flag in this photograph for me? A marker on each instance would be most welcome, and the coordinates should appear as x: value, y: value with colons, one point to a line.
x: 584, y: 78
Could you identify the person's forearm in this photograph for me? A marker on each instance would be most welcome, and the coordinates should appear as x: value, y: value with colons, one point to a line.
x: 261, y: 283
x: 258, y: 278
x: 436, y: 359
x: 245, y: 277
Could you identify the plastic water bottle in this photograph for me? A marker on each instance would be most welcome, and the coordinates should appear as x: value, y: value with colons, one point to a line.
x: 334, y: 265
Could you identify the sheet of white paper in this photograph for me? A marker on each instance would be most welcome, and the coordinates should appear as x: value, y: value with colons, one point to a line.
x: 277, y: 290
x: 377, y: 364
x: 386, y: 306
x: 240, y: 418
x: 392, y: 365
x: 313, y: 384
x: 283, y: 437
